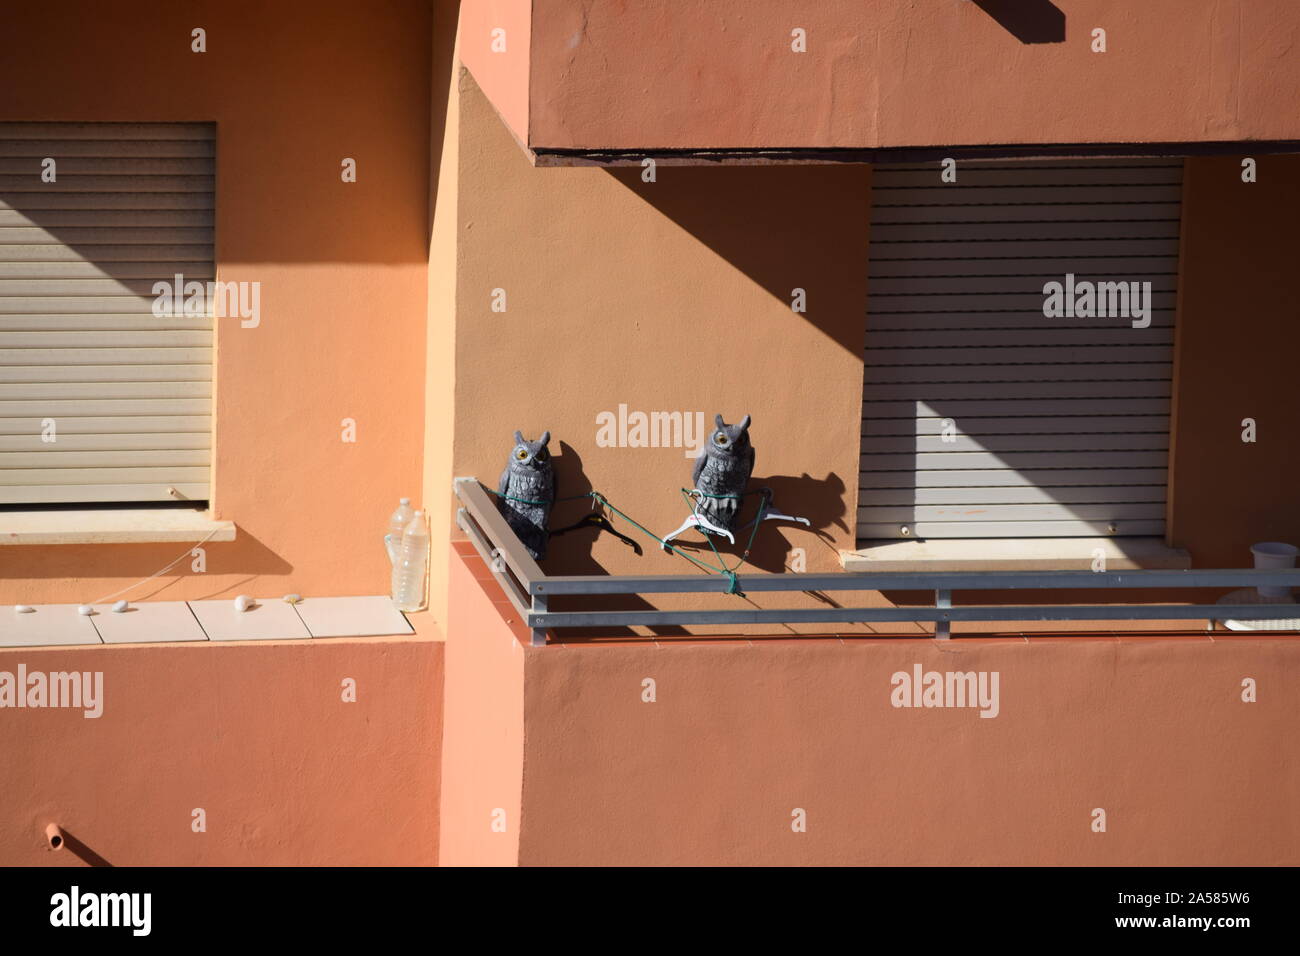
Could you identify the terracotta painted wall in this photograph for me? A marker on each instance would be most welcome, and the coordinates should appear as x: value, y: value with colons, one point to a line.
x: 1237, y: 332
x: 741, y: 734
x: 721, y: 73
x: 255, y: 734
x: 671, y: 296
x: 294, y: 88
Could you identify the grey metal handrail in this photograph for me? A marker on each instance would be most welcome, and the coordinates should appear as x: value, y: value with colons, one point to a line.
x: 528, y: 587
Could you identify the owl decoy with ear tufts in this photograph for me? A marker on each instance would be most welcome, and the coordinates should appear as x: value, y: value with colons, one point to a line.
x: 527, y: 489
x: 724, y: 469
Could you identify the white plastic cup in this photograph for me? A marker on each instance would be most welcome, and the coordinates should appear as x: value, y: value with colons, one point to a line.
x: 1274, y: 556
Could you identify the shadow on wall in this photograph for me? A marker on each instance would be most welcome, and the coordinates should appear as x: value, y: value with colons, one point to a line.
x: 1029, y: 21
x: 246, y: 555
x: 817, y: 229
x: 78, y: 849
x: 572, y: 552
x: 819, y: 500
x: 275, y: 123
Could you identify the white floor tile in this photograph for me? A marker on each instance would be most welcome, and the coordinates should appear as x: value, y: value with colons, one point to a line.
x: 371, y: 616
x: 268, y: 620
x: 149, y: 622
x: 48, y: 625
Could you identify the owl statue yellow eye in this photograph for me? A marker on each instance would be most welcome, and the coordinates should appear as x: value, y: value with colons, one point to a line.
x: 720, y: 438
x: 521, y: 454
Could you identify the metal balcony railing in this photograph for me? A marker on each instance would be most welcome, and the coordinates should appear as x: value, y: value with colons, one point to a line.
x: 529, y: 588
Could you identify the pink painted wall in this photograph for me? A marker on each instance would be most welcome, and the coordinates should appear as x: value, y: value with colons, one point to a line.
x: 293, y: 87
x: 495, y: 42
x: 255, y: 734
x: 482, y: 755
x: 721, y: 73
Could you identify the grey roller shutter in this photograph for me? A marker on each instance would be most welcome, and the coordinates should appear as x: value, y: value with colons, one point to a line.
x: 1053, y: 426
x: 129, y: 395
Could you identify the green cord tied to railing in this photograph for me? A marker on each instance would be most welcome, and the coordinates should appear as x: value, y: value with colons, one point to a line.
x: 733, y: 582
x: 734, y: 585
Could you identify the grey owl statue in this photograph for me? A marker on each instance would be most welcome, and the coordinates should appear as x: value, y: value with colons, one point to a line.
x: 528, y: 477
x: 724, y: 469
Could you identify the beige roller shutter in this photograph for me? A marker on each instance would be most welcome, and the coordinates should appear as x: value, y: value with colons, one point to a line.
x: 981, y: 416
x: 126, y: 396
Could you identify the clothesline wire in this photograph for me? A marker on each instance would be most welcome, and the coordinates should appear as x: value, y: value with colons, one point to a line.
x: 160, y: 572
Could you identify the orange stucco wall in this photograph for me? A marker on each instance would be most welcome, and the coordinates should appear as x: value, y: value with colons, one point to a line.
x: 257, y: 735
x: 1236, y: 340
x: 722, y: 73
x: 294, y: 88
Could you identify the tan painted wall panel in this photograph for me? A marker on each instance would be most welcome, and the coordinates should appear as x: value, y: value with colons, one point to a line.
x: 665, y: 296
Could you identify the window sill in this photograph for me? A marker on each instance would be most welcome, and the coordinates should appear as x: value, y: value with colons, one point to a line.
x: 1014, y: 554
x: 112, y: 526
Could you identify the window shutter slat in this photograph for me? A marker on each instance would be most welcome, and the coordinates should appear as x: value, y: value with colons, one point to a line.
x: 982, y: 417
x: 129, y: 393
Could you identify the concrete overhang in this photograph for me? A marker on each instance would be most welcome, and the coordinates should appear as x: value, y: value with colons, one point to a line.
x: 583, y: 82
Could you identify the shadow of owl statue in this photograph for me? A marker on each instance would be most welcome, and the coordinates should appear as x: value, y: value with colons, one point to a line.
x: 724, y: 469
x: 527, y: 489
x: 721, y: 474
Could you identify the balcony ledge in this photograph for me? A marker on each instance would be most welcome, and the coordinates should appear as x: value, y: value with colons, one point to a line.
x: 1014, y: 554
x: 112, y: 526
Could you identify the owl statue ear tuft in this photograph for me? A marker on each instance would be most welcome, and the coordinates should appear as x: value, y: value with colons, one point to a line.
x: 718, y: 421
x: 545, y: 439
x: 519, y: 438
x: 744, y: 423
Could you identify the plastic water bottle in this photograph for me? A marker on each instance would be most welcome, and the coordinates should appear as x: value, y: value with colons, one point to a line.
x: 409, y: 568
x: 397, y: 523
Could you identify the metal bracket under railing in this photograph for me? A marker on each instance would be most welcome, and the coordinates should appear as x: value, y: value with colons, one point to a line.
x: 528, y: 588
